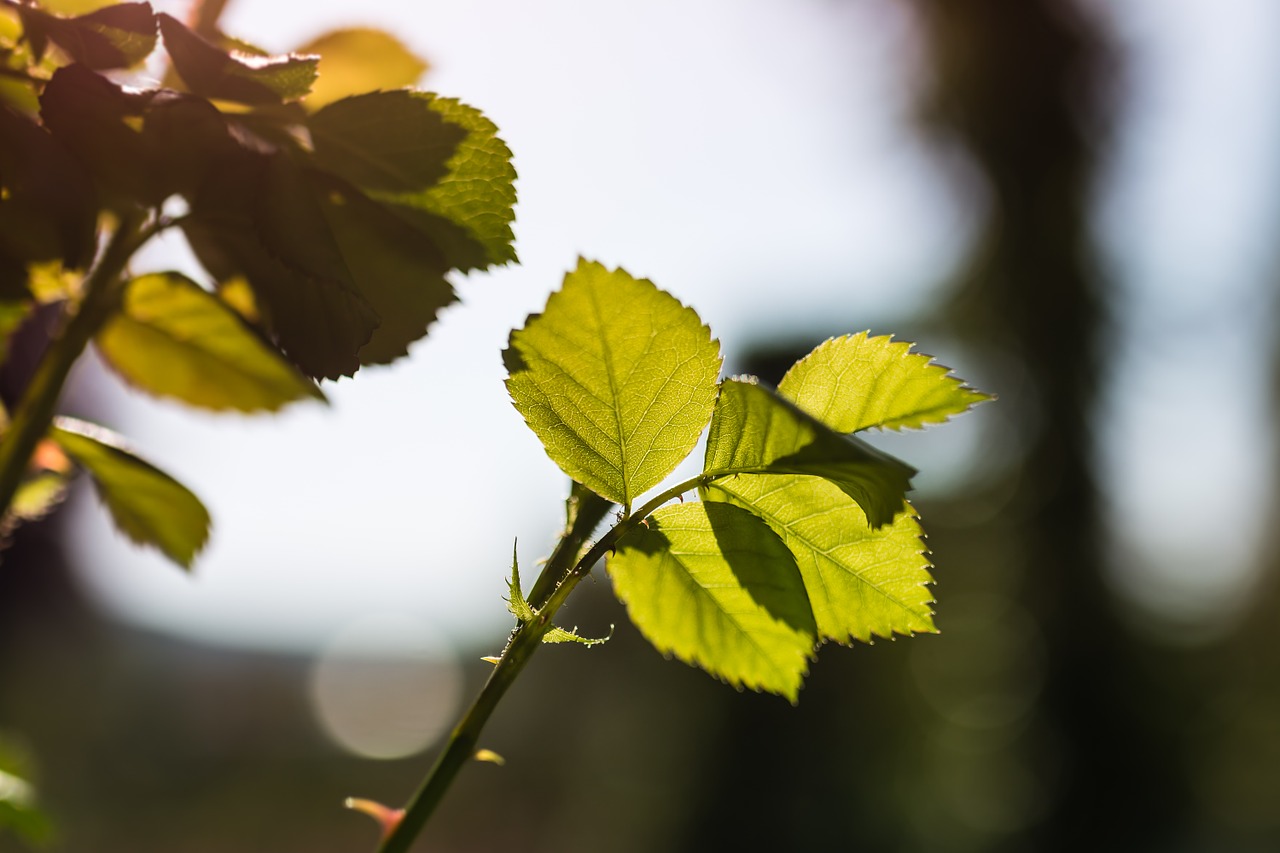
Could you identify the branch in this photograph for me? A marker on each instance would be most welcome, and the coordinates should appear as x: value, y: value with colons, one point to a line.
x: 566, y: 566
x: 35, y: 411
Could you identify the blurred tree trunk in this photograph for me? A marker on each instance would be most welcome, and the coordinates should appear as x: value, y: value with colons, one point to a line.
x: 1021, y: 86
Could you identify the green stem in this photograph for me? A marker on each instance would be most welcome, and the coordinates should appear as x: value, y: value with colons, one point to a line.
x: 35, y: 411
x: 564, y: 569
x: 587, y: 509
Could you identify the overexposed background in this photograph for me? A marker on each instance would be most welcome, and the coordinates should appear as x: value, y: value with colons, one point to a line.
x: 761, y: 161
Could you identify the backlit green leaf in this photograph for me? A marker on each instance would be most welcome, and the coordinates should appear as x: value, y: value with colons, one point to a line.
x: 38, y: 495
x: 714, y: 586
x: 146, y: 504
x: 239, y: 76
x: 20, y: 814
x: 359, y: 60
x: 861, y: 581
x: 435, y: 162
x: 617, y: 379
x: 117, y: 36
x: 857, y: 381
x: 754, y: 431
x: 172, y: 338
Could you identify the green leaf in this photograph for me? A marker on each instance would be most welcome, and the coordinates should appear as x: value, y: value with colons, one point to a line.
x: 146, y: 504
x: 855, y: 382
x: 754, y: 431
x: 360, y: 60
x: 714, y: 586
x: 517, y: 603
x: 172, y: 338
x: 391, y: 145
x: 246, y: 78
x: 861, y: 581
x: 560, y: 635
x: 19, y: 813
x: 524, y: 612
x: 38, y: 495
x: 616, y: 378
x: 117, y: 36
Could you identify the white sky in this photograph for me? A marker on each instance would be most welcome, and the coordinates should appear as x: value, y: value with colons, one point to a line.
x: 756, y: 158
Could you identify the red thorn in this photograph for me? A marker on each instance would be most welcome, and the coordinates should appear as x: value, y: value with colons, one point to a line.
x: 387, y: 818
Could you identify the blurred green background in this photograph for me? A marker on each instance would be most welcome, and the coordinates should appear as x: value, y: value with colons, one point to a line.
x: 1094, y: 244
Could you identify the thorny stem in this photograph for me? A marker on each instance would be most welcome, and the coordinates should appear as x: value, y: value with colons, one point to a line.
x: 566, y: 566
x: 34, y: 413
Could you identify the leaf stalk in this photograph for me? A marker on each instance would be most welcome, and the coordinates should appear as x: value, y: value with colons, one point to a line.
x: 35, y: 411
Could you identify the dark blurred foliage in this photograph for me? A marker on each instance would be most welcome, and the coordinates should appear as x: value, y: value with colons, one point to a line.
x: 1039, y: 719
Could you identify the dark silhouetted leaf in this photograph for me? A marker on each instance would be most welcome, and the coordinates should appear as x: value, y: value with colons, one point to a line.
x: 172, y: 338
x: 11, y: 316
x: 186, y: 138
x: 47, y: 203
x: 385, y: 142
x: 466, y: 209
x: 117, y: 36
x: 754, y: 431
x: 358, y: 60
x: 399, y: 273
x: 246, y: 78
x: 716, y: 587
x: 102, y: 124
x: 141, y: 147
x: 259, y: 217
x: 146, y: 504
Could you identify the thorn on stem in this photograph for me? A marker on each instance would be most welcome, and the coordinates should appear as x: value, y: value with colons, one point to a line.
x: 493, y: 659
x: 387, y: 818
x: 488, y: 755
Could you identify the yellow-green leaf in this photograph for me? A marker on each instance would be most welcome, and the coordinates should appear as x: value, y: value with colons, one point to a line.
x: 146, y: 504
x: 754, y: 431
x: 862, y: 582
x: 175, y: 339
x: 855, y: 382
x: 358, y: 60
x: 716, y: 587
x: 616, y: 377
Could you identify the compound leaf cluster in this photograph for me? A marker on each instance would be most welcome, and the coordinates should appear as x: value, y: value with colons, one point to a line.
x: 327, y: 203
x: 804, y: 534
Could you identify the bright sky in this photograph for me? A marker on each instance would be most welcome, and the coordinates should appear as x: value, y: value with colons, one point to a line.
x: 757, y: 159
